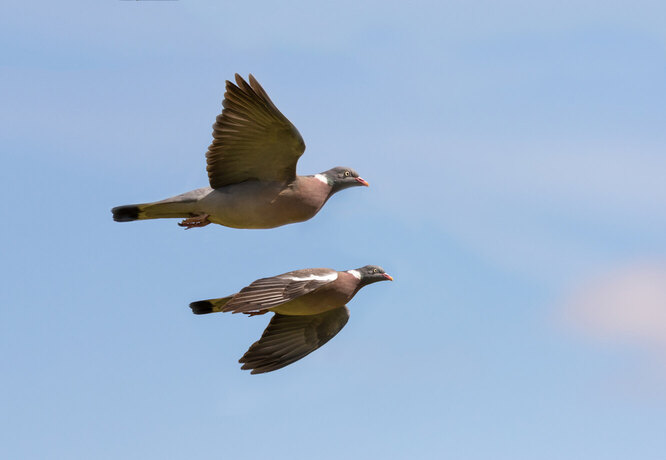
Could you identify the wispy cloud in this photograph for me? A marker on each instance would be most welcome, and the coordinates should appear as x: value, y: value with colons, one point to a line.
x: 627, y: 306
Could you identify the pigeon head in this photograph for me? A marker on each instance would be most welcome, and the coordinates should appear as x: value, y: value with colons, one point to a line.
x: 340, y: 178
x: 371, y: 274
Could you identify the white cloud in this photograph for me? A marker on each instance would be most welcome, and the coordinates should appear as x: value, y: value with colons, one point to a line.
x: 627, y: 306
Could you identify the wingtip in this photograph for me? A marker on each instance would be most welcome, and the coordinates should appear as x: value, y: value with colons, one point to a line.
x: 246, y: 367
x: 239, y: 79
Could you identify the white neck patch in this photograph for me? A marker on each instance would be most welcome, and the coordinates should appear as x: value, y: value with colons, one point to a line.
x: 355, y: 273
x: 322, y: 178
x: 330, y: 277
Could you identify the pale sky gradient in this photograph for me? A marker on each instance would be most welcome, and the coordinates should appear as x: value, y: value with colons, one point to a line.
x: 516, y: 155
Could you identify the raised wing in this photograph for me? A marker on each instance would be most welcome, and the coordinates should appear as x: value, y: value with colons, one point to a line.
x: 289, y: 338
x: 267, y: 293
x: 252, y: 140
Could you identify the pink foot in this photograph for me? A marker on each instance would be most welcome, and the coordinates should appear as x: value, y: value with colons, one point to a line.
x: 255, y: 313
x: 193, y: 222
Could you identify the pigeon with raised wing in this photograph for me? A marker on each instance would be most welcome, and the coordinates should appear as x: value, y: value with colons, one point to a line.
x: 251, y: 168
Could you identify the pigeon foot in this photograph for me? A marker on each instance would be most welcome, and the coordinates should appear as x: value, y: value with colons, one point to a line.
x: 194, y: 222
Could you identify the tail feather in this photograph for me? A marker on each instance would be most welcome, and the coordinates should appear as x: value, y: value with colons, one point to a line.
x: 126, y: 213
x: 201, y: 307
x: 181, y: 206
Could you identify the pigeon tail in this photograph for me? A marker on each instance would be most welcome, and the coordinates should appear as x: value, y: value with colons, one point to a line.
x: 202, y: 307
x: 158, y: 210
x: 126, y: 213
x: 181, y: 206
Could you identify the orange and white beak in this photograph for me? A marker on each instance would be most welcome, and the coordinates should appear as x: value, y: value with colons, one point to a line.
x: 388, y: 277
x: 362, y: 181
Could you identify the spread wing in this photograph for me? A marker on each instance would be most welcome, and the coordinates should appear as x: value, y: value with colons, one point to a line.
x: 252, y: 139
x: 267, y: 293
x: 289, y: 338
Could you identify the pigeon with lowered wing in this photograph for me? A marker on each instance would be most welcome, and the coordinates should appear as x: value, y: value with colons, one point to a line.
x: 309, y: 306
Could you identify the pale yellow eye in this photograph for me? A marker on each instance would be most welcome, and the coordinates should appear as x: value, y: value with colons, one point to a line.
x: 346, y: 173
x: 374, y: 271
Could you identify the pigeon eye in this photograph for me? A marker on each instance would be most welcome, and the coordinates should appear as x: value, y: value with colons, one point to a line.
x: 374, y: 270
x: 346, y: 173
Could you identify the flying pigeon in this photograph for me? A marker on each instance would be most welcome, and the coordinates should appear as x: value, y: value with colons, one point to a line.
x: 251, y: 168
x: 309, y: 306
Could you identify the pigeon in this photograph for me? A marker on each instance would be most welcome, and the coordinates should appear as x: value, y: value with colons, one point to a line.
x: 251, y: 168
x: 309, y: 306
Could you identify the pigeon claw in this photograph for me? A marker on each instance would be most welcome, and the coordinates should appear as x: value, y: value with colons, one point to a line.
x: 255, y: 313
x: 194, y: 222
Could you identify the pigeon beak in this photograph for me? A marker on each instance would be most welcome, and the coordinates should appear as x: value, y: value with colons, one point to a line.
x: 362, y: 181
x: 388, y: 277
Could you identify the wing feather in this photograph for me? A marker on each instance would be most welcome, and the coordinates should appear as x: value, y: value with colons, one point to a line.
x: 290, y: 338
x: 252, y: 140
x: 267, y: 293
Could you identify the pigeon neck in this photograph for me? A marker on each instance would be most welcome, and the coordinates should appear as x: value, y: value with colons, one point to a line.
x: 337, y: 186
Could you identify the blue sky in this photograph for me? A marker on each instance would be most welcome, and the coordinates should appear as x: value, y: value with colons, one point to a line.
x: 516, y: 155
